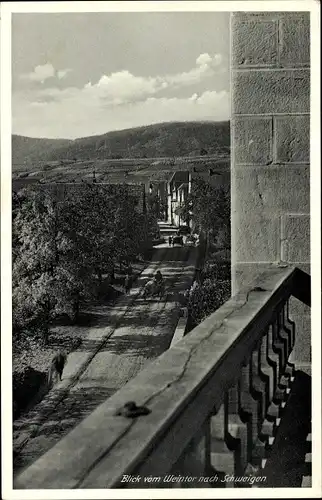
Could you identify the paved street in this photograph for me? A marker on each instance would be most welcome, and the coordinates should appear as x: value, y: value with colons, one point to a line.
x: 120, y: 341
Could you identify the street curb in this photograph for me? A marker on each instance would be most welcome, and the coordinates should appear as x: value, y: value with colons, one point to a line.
x: 180, y: 330
x: 181, y: 327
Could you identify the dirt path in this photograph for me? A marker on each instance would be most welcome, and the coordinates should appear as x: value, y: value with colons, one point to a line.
x: 120, y: 341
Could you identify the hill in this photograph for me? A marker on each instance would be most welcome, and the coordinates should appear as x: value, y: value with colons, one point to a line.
x: 161, y: 140
x: 29, y: 149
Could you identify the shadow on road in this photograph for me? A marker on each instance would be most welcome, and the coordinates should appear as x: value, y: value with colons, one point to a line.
x: 74, y: 408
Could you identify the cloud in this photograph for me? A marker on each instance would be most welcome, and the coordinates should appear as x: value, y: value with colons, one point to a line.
x: 124, y: 87
x: 206, y: 59
x: 62, y: 73
x: 83, y: 117
x: 206, y: 66
x: 203, y: 59
x: 41, y: 73
x: 119, y: 100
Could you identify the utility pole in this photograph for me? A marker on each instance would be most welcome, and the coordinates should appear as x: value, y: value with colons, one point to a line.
x: 144, y: 200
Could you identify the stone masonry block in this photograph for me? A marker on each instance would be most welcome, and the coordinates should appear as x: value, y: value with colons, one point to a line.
x: 270, y: 190
x: 294, y: 41
x: 270, y: 91
x: 254, y: 43
x: 292, y: 135
x: 265, y: 16
x: 255, y: 238
x: 252, y: 139
x: 296, y: 238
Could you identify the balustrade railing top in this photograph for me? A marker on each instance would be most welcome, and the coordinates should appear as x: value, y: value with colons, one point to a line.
x: 211, y: 401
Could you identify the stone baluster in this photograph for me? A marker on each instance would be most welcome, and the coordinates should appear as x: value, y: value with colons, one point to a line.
x: 195, y: 462
x: 289, y: 328
x: 238, y: 425
x: 272, y: 358
x: 260, y: 385
x: 279, y: 346
x: 223, y: 444
x: 268, y: 370
x: 247, y: 410
x: 284, y: 332
x: 290, y: 323
x: 277, y: 355
x: 284, y: 337
x: 256, y: 397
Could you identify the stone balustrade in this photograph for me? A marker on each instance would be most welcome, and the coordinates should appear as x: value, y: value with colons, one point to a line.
x: 215, y: 400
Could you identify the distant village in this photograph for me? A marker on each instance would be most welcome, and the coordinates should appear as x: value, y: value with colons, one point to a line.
x: 170, y: 179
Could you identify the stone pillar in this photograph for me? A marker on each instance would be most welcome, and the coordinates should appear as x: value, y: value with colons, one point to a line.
x: 270, y: 170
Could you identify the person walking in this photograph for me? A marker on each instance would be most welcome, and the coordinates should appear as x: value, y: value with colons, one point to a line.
x: 170, y: 241
x: 127, y: 283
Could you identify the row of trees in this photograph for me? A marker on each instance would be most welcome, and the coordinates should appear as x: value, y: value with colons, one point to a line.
x: 63, y: 245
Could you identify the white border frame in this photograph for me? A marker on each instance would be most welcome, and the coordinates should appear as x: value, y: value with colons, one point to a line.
x: 6, y: 355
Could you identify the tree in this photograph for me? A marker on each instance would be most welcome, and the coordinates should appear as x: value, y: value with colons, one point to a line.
x: 155, y: 206
x: 49, y: 270
x: 207, y: 206
x: 206, y: 298
x: 36, y: 238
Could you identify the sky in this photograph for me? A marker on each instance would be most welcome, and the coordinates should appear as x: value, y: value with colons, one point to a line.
x: 76, y: 75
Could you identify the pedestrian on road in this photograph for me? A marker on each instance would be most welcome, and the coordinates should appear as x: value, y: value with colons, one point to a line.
x: 158, y: 278
x: 170, y: 241
x: 127, y: 283
x: 56, y: 368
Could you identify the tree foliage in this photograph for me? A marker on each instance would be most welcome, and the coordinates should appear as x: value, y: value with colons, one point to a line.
x: 207, y: 206
x: 206, y: 298
x: 62, y: 246
x: 210, y: 291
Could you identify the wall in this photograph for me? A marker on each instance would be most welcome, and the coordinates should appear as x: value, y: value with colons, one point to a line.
x: 271, y: 150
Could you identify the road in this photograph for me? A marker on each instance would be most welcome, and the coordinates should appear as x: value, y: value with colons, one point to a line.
x: 121, y: 340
